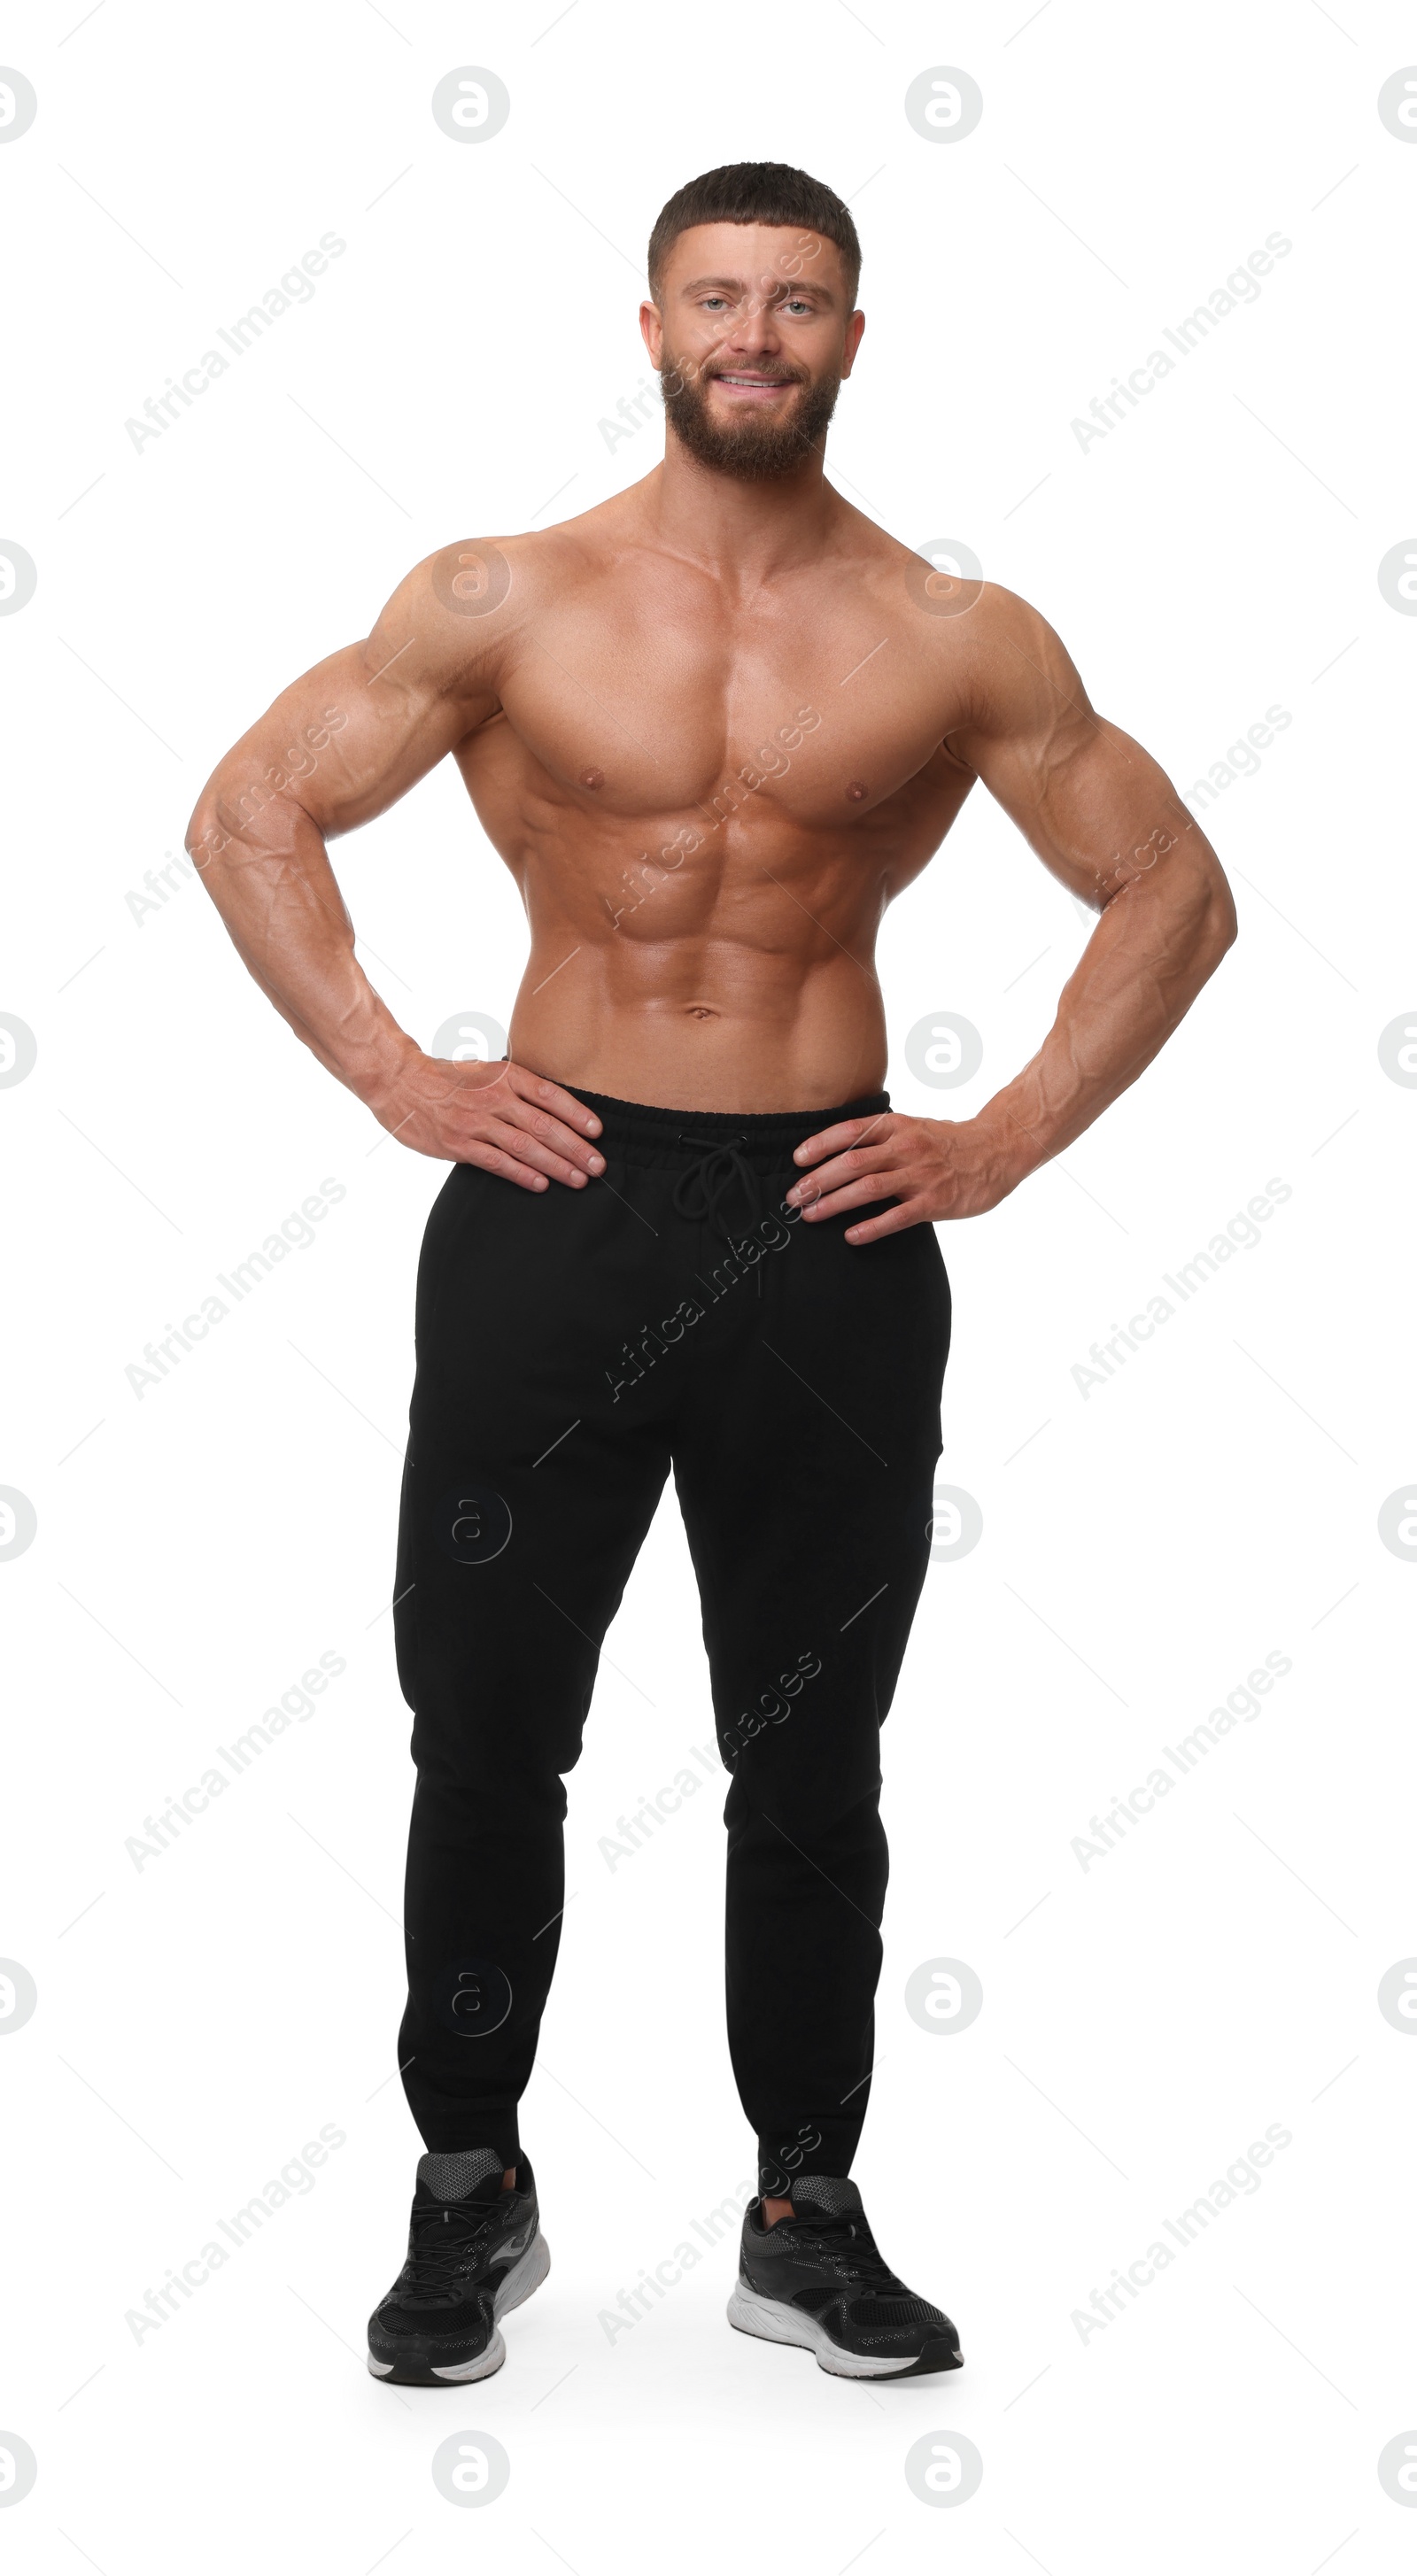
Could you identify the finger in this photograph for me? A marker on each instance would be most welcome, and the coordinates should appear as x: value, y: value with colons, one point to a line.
x: 500, y: 1099
x: 892, y: 1221
x: 550, y: 1096
x: 521, y: 1147
x: 846, y: 1167
x: 864, y: 1192
x: 515, y: 1096
x: 834, y: 1140
x: 551, y: 1133
x: 490, y: 1158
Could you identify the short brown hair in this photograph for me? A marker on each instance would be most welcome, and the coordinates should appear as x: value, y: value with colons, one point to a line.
x: 757, y: 192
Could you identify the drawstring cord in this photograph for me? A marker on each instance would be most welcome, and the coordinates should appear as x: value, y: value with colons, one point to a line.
x: 700, y: 1191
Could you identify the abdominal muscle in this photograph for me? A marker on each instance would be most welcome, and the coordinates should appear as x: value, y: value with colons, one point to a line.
x: 702, y: 955
x: 712, y: 1027
x: 738, y: 979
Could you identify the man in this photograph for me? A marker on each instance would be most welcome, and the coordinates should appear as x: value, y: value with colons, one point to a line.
x: 713, y: 727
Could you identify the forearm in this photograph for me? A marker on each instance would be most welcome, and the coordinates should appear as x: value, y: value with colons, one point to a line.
x: 273, y: 885
x: 1157, y: 943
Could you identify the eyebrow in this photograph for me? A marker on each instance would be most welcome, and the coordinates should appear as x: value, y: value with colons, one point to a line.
x: 739, y: 286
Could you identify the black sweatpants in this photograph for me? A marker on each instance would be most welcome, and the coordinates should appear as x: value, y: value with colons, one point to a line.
x: 572, y: 1347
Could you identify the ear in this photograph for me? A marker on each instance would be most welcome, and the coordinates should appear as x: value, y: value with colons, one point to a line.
x: 855, y: 325
x: 652, y: 330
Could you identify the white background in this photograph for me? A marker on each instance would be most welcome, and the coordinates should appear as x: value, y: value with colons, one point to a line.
x: 1215, y: 1501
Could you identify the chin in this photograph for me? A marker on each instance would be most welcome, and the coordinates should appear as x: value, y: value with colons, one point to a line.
x: 752, y: 449
x: 758, y: 465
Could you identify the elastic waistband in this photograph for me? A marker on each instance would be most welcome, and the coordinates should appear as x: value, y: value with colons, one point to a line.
x: 675, y: 1138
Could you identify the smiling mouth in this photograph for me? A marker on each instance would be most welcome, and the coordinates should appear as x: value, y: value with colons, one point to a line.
x: 750, y: 384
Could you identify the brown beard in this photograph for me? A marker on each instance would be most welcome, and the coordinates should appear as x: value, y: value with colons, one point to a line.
x: 751, y: 449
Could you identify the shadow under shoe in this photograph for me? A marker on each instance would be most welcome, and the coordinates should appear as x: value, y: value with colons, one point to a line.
x: 474, y: 2251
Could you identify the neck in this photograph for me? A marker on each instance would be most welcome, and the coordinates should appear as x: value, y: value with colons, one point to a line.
x: 751, y: 529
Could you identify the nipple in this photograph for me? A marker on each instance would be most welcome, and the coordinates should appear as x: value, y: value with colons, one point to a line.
x: 856, y: 791
x: 592, y: 778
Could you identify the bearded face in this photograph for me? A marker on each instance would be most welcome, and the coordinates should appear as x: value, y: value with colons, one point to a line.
x: 747, y: 433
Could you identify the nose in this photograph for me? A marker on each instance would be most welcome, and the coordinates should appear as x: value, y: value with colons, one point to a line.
x: 753, y: 330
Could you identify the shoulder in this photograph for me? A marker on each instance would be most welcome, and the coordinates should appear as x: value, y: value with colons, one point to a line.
x: 1010, y: 663
x: 463, y: 611
x: 1000, y: 665
x: 481, y: 576
x: 945, y: 585
x: 941, y: 590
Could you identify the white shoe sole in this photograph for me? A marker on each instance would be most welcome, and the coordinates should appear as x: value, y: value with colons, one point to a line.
x: 777, y: 2324
x: 521, y: 2279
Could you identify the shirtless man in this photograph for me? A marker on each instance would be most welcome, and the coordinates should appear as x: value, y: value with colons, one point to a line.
x: 712, y: 727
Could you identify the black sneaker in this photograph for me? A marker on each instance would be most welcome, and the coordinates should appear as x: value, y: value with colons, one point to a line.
x: 816, y: 2279
x: 474, y: 2250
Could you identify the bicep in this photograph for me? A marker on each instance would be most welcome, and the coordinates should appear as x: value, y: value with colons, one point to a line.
x: 353, y: 734
x: 1090, y: 800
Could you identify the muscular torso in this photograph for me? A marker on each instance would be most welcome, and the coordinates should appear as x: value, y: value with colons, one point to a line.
x: 709, y: 766
x: 707, y: 799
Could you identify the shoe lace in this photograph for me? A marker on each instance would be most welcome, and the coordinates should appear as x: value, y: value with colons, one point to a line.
x: 850, y: 2245
x: 441, y: 2241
